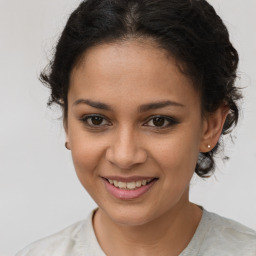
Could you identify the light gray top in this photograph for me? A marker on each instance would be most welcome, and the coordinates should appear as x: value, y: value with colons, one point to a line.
x: 214, y: 236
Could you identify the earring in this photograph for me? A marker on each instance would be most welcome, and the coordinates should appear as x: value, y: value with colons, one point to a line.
x: 66, y: 145
x: 209, y: 146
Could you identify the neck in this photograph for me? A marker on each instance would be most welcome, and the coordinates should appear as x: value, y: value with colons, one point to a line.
x: 167, y: 235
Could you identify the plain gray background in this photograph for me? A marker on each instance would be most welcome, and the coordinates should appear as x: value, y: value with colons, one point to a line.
x: 39, y: 191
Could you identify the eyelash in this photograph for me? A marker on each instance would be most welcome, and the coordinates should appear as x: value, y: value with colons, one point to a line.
x: 170, y: 121
x: 85, y: 119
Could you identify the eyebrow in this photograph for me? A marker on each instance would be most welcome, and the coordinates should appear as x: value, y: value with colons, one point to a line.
x: 157, y: 105
x: 94, y: 104
x: 142, y: 108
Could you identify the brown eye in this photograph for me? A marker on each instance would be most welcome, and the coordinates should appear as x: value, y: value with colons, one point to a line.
x: 161, y: 122
x: 158, y: 121
x: 95, y: 121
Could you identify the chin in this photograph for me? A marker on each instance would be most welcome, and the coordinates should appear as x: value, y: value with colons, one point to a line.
x: 130, y: 215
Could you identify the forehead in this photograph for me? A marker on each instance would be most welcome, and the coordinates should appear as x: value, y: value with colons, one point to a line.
x: 128, y: 70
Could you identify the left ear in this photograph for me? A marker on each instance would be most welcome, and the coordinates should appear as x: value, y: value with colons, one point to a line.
x: 212, y: 128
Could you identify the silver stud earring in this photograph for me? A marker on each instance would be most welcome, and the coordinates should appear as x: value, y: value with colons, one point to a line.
x: 209, y: 146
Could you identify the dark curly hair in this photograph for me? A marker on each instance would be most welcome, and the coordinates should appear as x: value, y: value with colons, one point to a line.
x: 189, y: 30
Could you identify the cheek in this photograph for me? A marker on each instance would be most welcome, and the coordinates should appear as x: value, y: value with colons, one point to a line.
x: 86, y: 154
x: 176, y: 161
x: 177, y: 155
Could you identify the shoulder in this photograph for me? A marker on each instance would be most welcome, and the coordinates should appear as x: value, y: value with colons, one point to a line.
x: 65, y: 242
x: 227, y: 237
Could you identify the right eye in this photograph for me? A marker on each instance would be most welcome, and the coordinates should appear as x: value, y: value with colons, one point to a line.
x: 95, y: 121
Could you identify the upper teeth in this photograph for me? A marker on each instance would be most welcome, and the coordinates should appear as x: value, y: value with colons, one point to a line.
x: 129, y: 185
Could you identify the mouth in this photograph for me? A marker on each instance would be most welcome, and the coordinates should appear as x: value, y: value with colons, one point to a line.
x: 130, y: 185
x: 128, y: 188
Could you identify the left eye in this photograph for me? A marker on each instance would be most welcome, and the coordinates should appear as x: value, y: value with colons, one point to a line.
x: 160, y: 122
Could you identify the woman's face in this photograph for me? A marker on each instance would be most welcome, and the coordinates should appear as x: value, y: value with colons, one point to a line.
x: 133, y: 120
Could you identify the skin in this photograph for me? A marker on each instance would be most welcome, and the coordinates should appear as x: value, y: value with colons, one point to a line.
x: 127, y: 143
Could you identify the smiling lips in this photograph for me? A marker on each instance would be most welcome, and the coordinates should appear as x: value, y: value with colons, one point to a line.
x: 127, y: 189
x: 129, y: 185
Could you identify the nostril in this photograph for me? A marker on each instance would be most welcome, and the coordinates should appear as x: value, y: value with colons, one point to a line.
x: 126, y: 159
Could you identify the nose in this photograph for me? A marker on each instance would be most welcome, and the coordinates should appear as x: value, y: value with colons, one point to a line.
x: 124, y: 150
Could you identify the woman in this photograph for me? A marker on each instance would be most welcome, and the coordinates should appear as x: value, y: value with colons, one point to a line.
x: 147, y: 91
